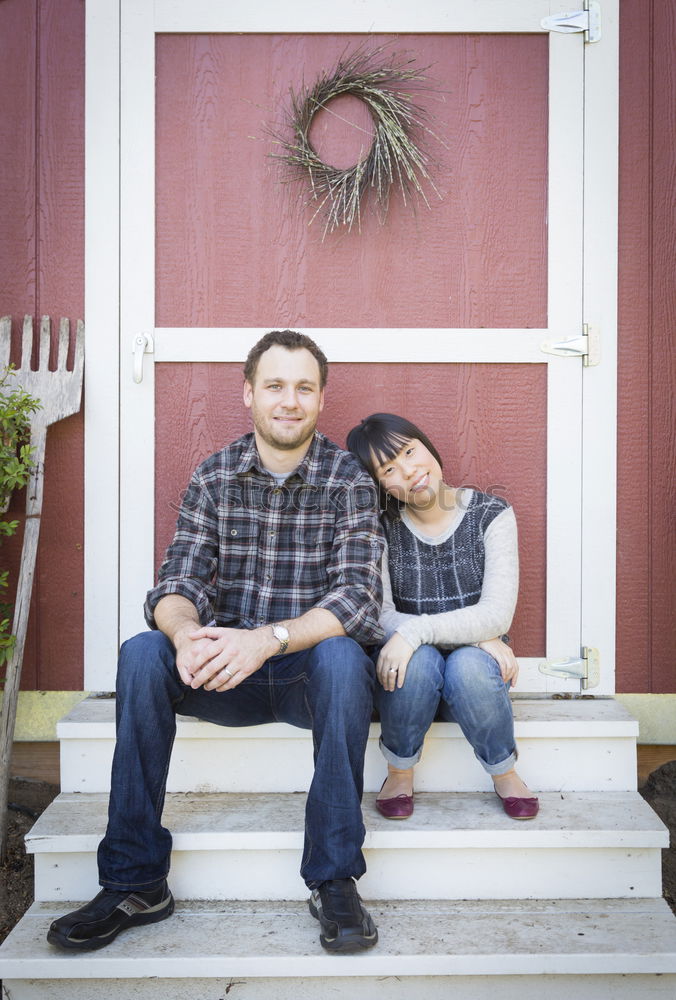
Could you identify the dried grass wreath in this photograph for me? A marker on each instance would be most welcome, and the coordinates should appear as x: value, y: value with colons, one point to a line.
x: 394, y: 158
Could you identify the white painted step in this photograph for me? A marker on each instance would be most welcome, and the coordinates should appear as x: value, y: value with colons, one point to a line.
x: 576, y: 744
x: 456, y: 845
x: 588, y: 949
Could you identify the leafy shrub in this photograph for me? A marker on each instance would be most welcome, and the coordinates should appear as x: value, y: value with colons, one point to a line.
x: 16, y: 463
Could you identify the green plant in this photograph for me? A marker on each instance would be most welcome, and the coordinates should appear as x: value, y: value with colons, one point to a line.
x: 16, y: 463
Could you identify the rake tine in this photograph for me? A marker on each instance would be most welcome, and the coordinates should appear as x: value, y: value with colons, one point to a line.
x: 64, y: 340
x: 5, y: 340
x: 27, y: 344
x: 45, y: 343
x: 78, y: 359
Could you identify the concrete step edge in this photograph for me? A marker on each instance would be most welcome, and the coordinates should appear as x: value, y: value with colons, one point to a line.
x: 94, y: 718
x: 75, y: 822
x: 417, y: 937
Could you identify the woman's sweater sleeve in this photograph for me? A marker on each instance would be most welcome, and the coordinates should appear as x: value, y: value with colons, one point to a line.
x: 491, y: 616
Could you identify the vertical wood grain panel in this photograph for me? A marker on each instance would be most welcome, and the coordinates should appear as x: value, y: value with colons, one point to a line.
x: 60, y: 272
x: 18, y: 224
x: 663, y: 368
x: 61, y: 160
x: 42, y: 272
x: 488, y: 421
x: 647, y: 290
x: 634, y: 349
x: 17, y: 156
x: 234, y: 246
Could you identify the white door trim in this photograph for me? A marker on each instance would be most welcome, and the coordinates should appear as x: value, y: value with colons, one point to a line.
x: 102, y: 351
x: 599, y: 453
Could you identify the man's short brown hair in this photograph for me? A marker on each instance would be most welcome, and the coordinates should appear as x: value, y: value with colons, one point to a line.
x: 292, y: 341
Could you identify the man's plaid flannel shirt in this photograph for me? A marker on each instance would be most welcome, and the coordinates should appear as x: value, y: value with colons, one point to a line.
x: 248, y: 551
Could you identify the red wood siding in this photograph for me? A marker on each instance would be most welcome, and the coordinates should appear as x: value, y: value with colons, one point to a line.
x: 646, y: 612
x: 41, y: 270
x: 42, y: 273
x: 235, y: 249
x: 233, y: 244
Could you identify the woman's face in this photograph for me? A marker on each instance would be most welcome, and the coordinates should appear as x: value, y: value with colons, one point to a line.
x: 412, y: 476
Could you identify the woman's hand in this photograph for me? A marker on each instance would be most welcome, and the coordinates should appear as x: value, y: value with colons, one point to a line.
x: 393, y: 661
x: 504, y: 657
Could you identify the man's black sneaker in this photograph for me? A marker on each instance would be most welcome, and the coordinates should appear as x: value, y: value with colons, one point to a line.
x: 98, y: 923
x: 346, y: 923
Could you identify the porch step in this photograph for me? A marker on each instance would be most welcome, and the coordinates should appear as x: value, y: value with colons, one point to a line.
x: 456, y: 845
x: 579, y: 886
x: 587, y: 948
x: 564, y: 745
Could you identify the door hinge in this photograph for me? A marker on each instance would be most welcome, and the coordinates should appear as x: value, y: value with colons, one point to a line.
x: 585, y: 668
x: 143, y: 344
x: 587, y: 346
x: 587, y: 20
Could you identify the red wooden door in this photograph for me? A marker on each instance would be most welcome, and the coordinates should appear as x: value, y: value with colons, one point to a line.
x: 234, y: 250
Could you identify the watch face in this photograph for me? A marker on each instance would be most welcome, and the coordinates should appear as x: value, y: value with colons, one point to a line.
x: 280, y: 632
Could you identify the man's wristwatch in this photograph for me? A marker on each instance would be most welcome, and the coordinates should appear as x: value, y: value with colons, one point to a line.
x: 281, y: 633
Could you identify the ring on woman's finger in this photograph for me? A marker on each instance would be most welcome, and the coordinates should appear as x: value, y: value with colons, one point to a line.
x: 226, y: 671
x: 392, y: 670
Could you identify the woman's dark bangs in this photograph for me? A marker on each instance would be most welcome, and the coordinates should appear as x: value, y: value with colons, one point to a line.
x: 388, y: 446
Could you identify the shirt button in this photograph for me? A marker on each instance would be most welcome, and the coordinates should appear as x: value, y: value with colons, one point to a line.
x: 272, y: 534
x: 233, y: 532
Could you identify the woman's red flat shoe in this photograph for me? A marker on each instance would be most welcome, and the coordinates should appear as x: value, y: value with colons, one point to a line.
x: 399, y: 807
x: 517, y: 808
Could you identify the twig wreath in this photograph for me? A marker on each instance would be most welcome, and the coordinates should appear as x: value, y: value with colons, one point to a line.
x: 394, y: 157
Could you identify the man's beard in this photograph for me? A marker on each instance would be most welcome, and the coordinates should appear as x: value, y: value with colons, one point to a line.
x: 304, y: 433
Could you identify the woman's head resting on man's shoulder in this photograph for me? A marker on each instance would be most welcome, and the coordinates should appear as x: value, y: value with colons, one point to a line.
x: 382, y: 438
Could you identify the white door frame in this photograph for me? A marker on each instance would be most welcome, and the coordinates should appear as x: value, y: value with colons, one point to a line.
x: 120, y: 281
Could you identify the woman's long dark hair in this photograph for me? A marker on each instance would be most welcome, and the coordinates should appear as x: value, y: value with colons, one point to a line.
x: 378, y: 439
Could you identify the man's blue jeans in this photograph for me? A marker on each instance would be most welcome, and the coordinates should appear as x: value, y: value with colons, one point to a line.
x: 328, y: 688
x: 464, y: 686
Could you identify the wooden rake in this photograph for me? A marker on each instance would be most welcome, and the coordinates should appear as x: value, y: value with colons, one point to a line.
x: 59, y: 393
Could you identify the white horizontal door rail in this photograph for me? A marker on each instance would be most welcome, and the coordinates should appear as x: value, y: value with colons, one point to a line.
x: 361, y: 346
x: 303, y: 16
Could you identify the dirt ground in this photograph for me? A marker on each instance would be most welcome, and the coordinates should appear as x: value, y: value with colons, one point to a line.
x: 660, y: 792
x: 31, y: 797
x: 28, y: 799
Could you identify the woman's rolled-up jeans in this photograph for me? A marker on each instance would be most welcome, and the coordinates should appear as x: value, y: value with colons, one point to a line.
x: 463, y: 686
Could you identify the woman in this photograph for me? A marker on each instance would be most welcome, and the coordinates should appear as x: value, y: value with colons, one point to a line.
x: 450, y: 579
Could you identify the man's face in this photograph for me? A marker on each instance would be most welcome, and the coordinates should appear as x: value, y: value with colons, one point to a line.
x: 285, y: 399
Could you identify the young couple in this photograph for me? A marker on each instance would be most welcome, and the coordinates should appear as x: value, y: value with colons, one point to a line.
x: 262, y: 613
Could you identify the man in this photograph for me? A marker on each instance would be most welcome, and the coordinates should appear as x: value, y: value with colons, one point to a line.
x: 269, y: 586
